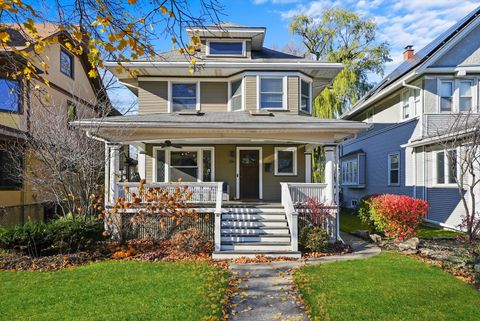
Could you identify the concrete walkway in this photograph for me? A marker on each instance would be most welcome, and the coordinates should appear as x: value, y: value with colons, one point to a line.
x: 267, y: 291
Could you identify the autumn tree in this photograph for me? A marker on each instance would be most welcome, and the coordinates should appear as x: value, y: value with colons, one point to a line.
x: 119, y: 30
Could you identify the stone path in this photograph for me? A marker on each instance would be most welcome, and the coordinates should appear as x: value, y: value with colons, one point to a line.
x: 267, y: 291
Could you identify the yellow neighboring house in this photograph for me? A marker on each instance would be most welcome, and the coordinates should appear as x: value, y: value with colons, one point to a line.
x: 71, y: 91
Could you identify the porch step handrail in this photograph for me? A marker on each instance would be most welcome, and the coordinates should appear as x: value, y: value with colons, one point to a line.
x: 292, y: 215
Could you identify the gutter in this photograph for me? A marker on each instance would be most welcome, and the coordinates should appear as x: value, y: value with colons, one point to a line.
x: 227, y: 64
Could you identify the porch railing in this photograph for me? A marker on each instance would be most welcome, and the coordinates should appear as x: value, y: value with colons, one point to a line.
x: 300, y: 192
x: 294, y: 200
x: 292, y: 215
x: 208, y: 193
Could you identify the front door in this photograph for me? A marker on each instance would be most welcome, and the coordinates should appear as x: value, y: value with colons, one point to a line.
x: 249, y: 163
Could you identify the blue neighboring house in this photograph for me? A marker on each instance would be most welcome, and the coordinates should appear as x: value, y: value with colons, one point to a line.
x: 406, y: 109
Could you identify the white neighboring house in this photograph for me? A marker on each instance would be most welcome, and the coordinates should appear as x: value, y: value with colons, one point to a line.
x: 400, y: 153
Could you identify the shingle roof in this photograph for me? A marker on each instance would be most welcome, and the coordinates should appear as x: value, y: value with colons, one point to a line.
x: 222, y: 119
x: 265, y: 53
x: 419, y: 57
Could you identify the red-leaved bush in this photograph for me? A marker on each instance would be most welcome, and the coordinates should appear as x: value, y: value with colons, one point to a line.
x: 398, y: 215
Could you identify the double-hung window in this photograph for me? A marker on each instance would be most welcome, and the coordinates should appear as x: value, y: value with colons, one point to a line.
x: 66, y: 63
x: 406, y: 104
x: 9, y: 96
x: 271, y: 93
x: 184, y: 97
x: 350, y: 171
x: 394, y: 169
x: 190, y: 164
x: 305, y: 96
x: 446, y: 163
x: 285, y: 161
x: 465, y: 99
x: 236, y: 95
x: 10, y: 170
x: 446, y: 96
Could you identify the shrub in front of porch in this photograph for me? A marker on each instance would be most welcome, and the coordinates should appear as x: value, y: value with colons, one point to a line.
x: 399, y: 216
x: 313, y: 237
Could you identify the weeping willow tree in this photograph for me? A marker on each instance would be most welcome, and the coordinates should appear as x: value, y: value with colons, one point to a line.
x: 338, y: 35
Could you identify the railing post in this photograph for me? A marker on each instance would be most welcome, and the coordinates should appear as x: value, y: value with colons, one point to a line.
x: 218, y: 217
x: 294, y: 231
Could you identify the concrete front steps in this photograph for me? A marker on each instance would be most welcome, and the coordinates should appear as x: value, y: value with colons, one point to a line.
x: 252, y: 231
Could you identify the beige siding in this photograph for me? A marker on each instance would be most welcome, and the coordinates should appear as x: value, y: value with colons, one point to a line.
x: 152, y: 97
x: 225, y: 168
x: 292, y: 89
x: 214, y: 96
x: 251, y: 93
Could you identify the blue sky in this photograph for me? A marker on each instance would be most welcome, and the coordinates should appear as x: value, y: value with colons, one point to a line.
x: 400, y: 22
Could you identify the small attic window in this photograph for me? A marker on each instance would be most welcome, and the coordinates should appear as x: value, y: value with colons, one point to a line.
x: 226, y: 48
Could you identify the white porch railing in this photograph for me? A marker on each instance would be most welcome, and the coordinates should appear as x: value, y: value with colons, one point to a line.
x: 300, y: 192
x: 202, y: 193
x: 292, y: 215
x: 294, y: 200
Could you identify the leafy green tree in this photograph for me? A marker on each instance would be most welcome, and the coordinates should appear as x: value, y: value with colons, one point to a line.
x: 342, y: 36
x: 339, y: 35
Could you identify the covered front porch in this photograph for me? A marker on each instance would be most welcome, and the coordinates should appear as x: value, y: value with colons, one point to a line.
x: 234, y: 164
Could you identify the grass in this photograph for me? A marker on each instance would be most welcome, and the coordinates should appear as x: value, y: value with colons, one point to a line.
x: 389, y: 286
x: 350, y: 222
x: 115, y: 290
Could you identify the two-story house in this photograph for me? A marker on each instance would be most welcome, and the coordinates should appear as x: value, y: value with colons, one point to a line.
x: 70, y: 94
x: 406, y: 110
x: 242, y: 120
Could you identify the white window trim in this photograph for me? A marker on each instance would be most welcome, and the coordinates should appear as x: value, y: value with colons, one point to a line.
x: 357, y: 178
x: 456, y: 94
x: 310, y: 100
x: 286, y: 149
x: 284, y: 91
x: 406, y: 95
x: 242, y: 87
x: 184, y: 81
x: 260, y: 172
x: 390, y: 169
x: 198, y: 149
x: 446, y: 165
x: 244, y: 48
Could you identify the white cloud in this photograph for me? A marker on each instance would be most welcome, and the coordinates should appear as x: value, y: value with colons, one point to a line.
x: 401, y: 23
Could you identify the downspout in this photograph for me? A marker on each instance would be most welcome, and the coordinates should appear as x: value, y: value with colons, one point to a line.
x: 100, y: 139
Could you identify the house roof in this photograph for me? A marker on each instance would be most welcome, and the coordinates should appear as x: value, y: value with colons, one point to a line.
x: 224, y: 127
x: 243, y: 119
x: 408, y: 65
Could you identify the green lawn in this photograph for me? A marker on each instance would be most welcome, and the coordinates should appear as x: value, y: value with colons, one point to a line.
x: 389, y: 286
x: 350, y: 222
x: 115, y: 290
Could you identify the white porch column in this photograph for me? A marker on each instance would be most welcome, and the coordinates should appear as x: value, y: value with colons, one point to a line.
x: 113, y: 171
x: 330, y: 174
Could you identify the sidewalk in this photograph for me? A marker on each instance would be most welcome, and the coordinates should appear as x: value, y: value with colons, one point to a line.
x: 268, y: 292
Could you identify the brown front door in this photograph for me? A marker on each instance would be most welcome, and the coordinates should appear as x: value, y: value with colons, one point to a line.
x: 249, y: 177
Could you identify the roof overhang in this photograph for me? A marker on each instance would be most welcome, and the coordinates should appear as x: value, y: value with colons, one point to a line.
x: 256, y: 34
x: 131, y: 132
x: 322, y: 73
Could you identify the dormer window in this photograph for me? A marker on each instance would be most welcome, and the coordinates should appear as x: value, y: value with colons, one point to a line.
x: 226, y: 48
